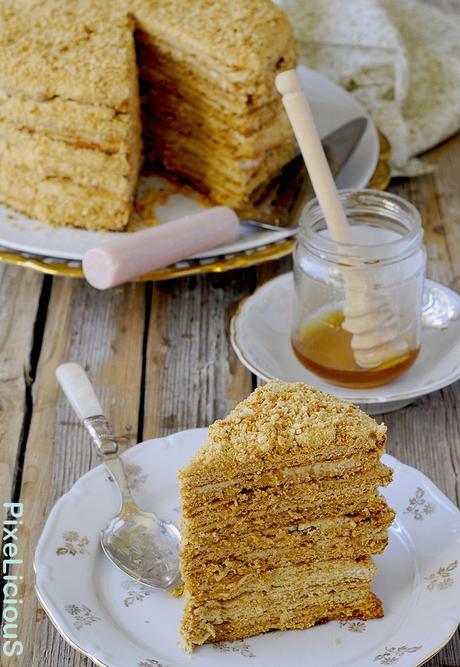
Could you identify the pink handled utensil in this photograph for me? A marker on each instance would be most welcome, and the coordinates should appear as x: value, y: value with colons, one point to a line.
x: 133, y: 255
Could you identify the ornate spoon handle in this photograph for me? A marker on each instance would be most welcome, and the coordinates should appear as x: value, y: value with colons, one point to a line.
x: 80, y: 394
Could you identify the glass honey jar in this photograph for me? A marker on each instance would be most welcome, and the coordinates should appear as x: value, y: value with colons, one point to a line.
x: 357, y: 306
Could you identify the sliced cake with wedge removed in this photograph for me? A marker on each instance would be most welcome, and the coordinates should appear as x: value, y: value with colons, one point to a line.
x: 70, y: 114
x: 281, y: 516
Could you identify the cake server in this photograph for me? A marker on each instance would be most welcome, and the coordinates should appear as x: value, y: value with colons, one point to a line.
x: 131, y: 255
x: 139, y: 543
x: 280, y: 203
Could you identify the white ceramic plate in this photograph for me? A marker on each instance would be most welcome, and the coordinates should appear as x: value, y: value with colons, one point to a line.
x: 332, y: 106
x: 119, y: 623
x: 260, y: 334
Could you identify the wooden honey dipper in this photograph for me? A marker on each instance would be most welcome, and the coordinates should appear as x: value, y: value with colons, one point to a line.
x: 371, y: 320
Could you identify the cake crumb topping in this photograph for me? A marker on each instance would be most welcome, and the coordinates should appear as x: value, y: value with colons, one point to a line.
x: 280, y: 418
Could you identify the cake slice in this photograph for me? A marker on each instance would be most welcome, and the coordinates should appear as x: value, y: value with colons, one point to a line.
x: 281, y: 515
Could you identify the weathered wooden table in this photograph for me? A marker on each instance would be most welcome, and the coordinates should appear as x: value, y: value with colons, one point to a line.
x: 160, y: 358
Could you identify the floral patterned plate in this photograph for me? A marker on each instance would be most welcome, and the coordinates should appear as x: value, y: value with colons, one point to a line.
x: 119, y: 623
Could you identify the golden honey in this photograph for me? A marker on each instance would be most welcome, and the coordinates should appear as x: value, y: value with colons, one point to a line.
x: 323, y: 347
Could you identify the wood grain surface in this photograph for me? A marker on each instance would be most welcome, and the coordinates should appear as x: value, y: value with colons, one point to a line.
x: 160, y: 359
x: 19, y: 300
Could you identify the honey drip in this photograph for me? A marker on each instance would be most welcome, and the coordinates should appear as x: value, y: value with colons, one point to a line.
x: 324, y: 347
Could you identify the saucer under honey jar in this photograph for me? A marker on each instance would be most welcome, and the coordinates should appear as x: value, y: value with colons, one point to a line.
x: 261, y: 337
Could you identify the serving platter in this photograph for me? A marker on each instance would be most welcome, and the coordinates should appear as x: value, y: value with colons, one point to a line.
x: 119, y: 623
x: 59, y: 250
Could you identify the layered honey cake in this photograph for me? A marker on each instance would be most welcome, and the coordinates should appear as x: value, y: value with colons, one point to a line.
x: 70, y: 121
x: 281, y: 516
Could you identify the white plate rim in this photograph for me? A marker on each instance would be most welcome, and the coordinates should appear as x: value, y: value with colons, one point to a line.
x: 370, y: 140
x: 403, y: 396
x: 200, y: 435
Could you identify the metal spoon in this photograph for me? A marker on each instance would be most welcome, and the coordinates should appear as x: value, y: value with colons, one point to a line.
x: 140, y: 544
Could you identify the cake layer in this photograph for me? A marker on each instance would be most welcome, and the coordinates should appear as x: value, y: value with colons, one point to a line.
x: 48, y: 157
x: 205, y: 575
x: 238, y: 174
x: 282, y: 425
x: 159, y: 59
x: 353, y: 476
x: 171, y: 78
x: 175, y: 67
x: 222, y: 544
x: 154, y: 89
x: 61, y: 201
x: 78, y: 50
x: 203, y: 138
x: 289, y: 598
x: 212, y: 170
x: 207, y: 176
x: 347, y: 605
x: 70, y: 144
x: 302, y: 575
x: 324, y: 539
x: 89, y: 125
x: 222, y: 172
x: 281, y: 515
x: 277, y: 510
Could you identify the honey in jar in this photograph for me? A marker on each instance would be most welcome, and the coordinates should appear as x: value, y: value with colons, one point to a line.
x: 324, y: 347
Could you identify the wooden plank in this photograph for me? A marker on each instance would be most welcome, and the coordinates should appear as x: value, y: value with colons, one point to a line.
x: 266, y: 272
x: 19, y: 298
x: 447, y: 159
x: 422, y: 192
x: 426, y: 435
x: 192, y: 374
x: 103, y: 332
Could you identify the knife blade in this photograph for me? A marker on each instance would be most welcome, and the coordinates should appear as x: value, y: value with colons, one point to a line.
x: 279, y: 204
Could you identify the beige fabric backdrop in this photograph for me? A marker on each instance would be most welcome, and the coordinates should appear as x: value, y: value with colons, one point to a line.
x: 400, y: 58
